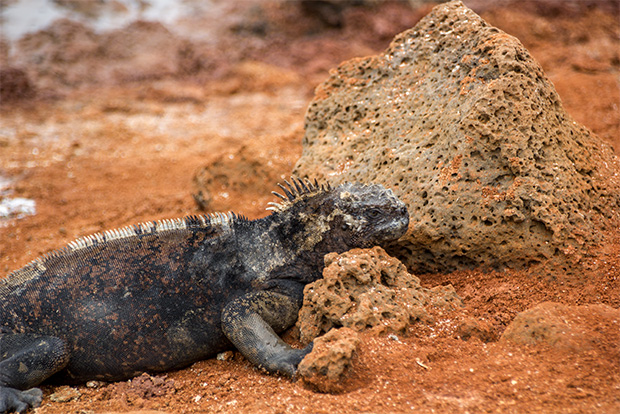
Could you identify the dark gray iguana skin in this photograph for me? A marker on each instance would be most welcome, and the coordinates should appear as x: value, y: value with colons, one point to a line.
x: 163, y: 295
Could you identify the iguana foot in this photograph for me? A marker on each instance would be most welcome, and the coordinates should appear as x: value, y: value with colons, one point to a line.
x: 285, y: 363
x: 12, y: 400
x: 293, y: 360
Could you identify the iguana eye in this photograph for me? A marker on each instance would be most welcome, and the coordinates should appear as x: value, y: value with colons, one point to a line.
x: 374, y: 213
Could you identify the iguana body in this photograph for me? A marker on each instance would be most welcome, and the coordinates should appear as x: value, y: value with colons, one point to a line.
x: 162, y: 295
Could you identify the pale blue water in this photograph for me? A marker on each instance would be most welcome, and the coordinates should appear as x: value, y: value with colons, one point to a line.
x: 19, y: 17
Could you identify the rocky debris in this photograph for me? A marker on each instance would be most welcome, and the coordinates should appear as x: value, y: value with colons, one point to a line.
x: 14, y: 85
x: 461, y: 122
x: 361, y: 290
x: 569, y: 328
x: 549, y: 8
x: 367, y: 289
x: 147, y: 386
x: 143, y: 387
x: 69, y: 53
x: 329, y: 365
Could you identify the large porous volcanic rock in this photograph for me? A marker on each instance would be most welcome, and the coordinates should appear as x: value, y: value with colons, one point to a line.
x: 461, y: 122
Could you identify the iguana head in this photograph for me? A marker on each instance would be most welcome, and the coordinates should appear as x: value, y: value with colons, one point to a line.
x: 367, y: 215
x: 345, y: 217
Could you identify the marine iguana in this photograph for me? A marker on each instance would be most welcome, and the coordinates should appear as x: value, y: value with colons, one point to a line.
x: 164, y: 294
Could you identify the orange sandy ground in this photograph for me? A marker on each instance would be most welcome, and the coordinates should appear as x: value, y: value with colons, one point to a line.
x: 108, y: 156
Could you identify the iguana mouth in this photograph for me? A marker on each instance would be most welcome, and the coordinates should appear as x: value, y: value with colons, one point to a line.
x: 395, y: 229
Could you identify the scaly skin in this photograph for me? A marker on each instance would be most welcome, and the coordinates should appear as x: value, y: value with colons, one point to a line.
x: 162, y: 295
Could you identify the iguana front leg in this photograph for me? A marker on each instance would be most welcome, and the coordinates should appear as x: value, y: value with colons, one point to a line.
x: 251, y: 322
x: 26, y: 360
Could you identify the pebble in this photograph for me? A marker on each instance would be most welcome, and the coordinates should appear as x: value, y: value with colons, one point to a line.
x: 65, y: 394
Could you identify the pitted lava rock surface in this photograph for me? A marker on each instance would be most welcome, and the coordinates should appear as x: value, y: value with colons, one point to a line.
x: 367, y: 289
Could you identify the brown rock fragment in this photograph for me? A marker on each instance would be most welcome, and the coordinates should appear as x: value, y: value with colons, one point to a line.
x: 470, y: 328
x: 65, y: 394
x: 327, y: 367
x: 247, y: 173
x: 14, y: 85
x: 461, y: 122
x: 571, y: 328
x: 143, y: 387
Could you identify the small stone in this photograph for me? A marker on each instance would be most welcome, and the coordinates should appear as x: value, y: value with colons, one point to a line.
x: 225, y: 356
x: 244, y: 174
x: 65, y: 394
x: 445, y: 297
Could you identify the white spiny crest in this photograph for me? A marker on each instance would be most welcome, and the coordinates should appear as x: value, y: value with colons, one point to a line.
x: 149, y: 227
x: 299, y: 189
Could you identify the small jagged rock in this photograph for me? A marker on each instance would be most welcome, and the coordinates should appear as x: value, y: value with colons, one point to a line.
x: 225, y: 356
x: 327, y: 367
x: 147, y: 386
x: 444, y: 297
x: 461, y: 122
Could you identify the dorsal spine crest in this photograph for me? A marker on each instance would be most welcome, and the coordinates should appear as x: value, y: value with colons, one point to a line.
x: 150, y: 227
x: 298, y: 190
